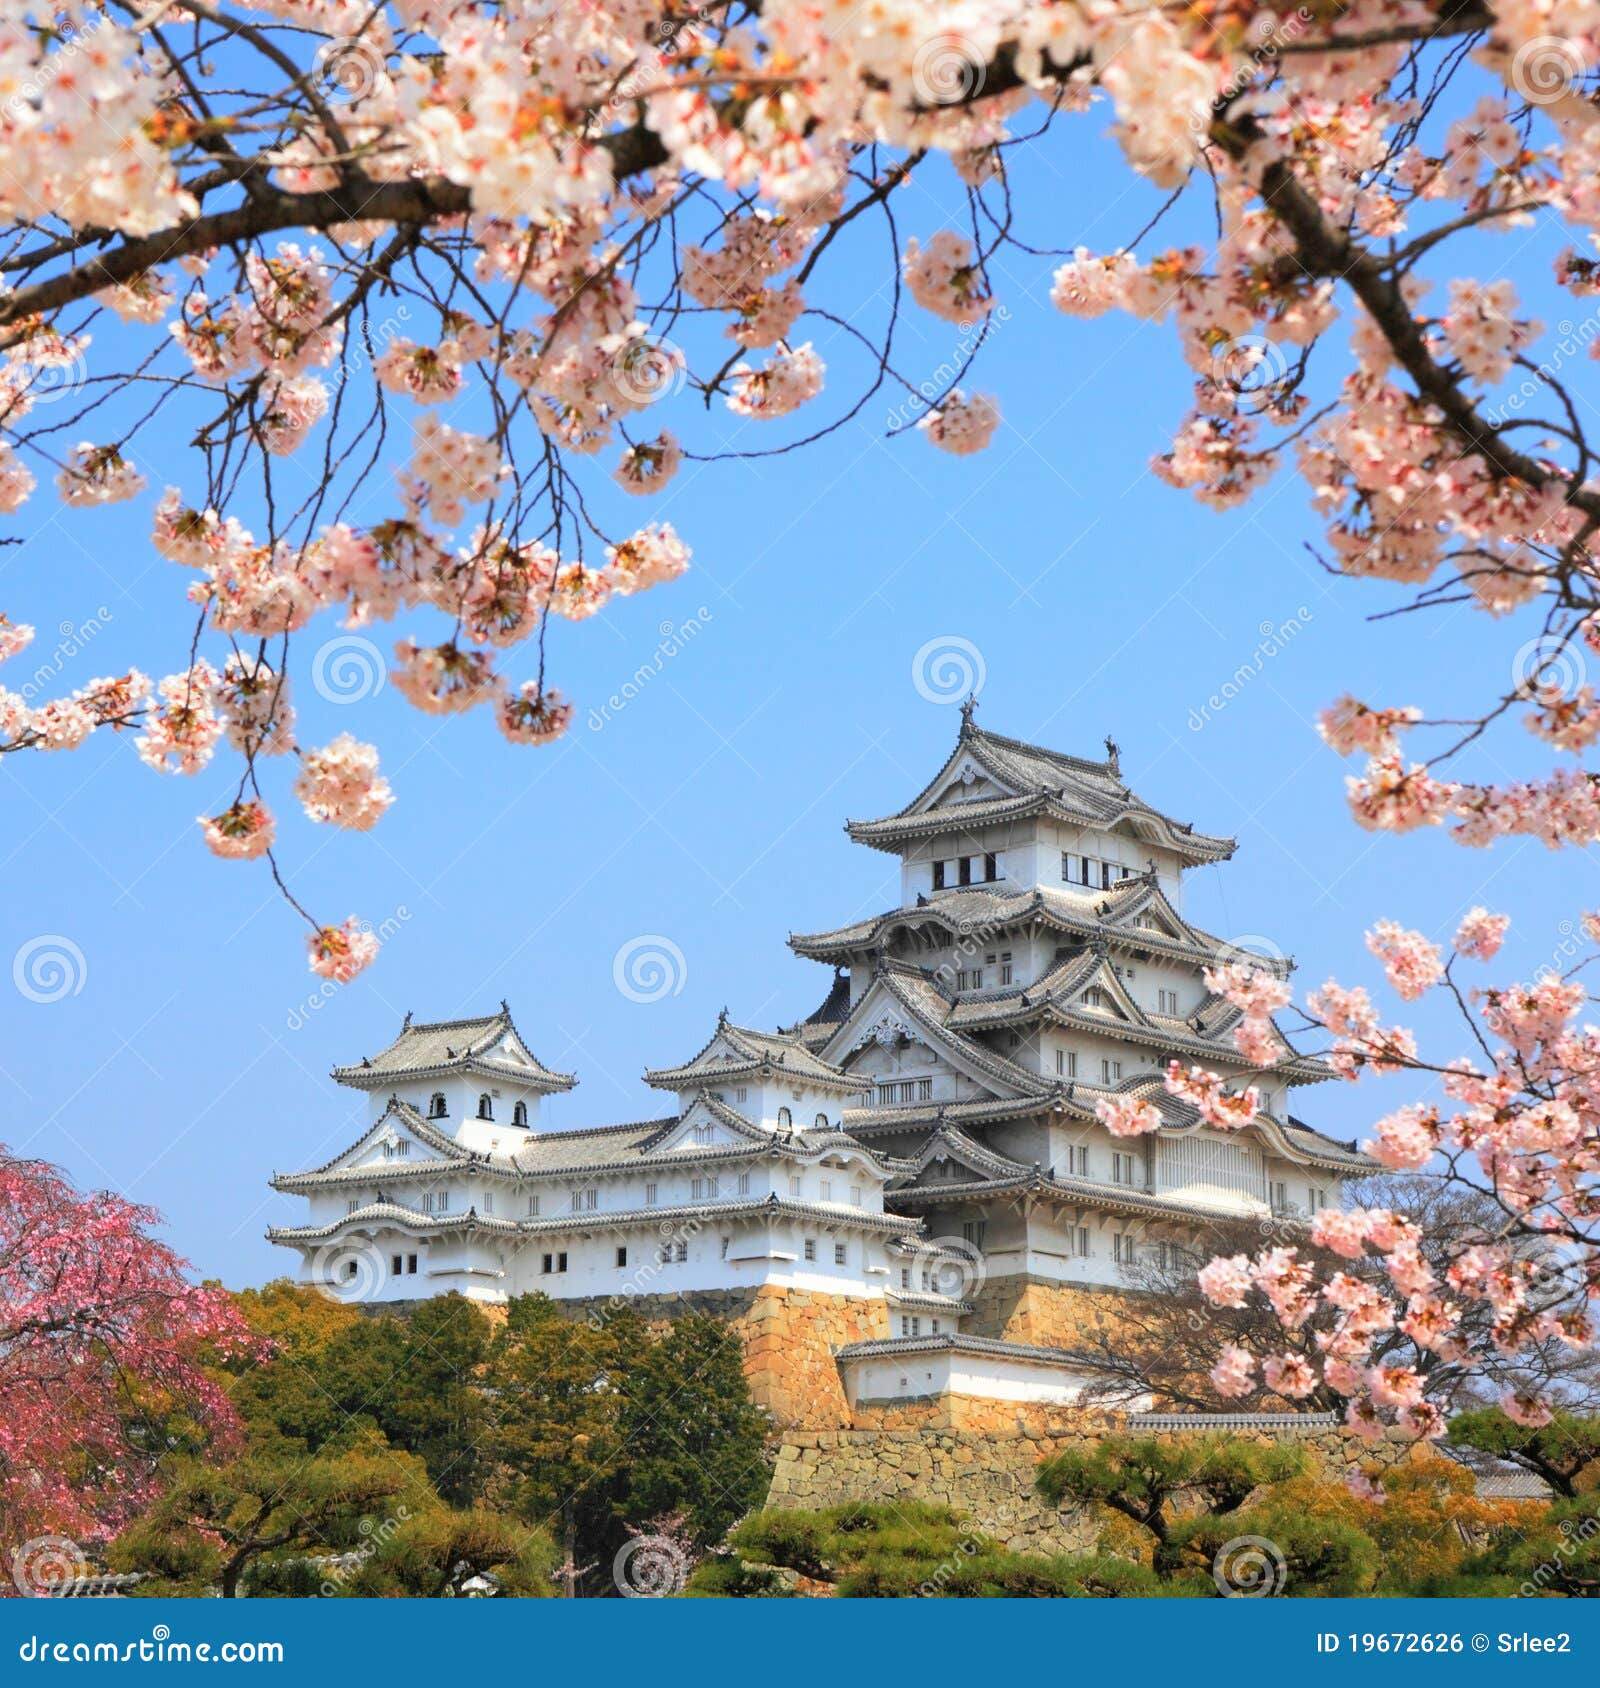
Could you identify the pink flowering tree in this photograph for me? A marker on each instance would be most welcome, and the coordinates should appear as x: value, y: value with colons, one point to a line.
x: 1513, y: 1280
x: 295, y: 228
x: 101, y: 1342
x: 301, y: 229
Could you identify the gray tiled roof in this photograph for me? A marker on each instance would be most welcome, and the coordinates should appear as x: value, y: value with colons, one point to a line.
x: 393, y: 1213
x: 784, y: 1053
x: 445, y: 1046
x: 1044, y: 781
x: 987, y: 1347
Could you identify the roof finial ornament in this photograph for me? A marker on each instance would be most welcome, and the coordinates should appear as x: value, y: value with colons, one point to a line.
x: 406, y: 1024
x: 1113, y: 754
x: 504, y: 1009
x: 967, y: 710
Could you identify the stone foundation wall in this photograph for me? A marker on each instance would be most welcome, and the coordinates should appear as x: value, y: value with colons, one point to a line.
x: 1047, y: 1315
x: 985, y: 1468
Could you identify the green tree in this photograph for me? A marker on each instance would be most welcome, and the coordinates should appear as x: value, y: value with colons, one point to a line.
x: 907, y: 1549
x: 1558, y: 1451
x: 442, y: 1551
x: 214, y: 1523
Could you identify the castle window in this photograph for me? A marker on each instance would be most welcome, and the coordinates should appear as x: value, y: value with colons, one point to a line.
x: 394, y: 1265
x: 841, y: 1254
x: 742, y: 1094
x: 934, y: 1325
x: 488, y: 1201
x: 725, y: 1242
x: 905, y: 1277
x: 519, y: 1114
x: 785, y: 1118
x: 1067, y: 1063
x: 938, y: 876
x: 622, y: 1256
x: 973, y: 1231
x: 966, y: 870
x: 553, y: 1263
x: 697, y: 1188
x: 1084, y: 1250
x: 352, y: 1203
x: 1168, y: 1002
x: 444, y: 1201
x: 349, y: 1268
x: 1316, y: 1199
x: 744, y: 1183
x: 586, y: 1201
x: 1110, y: 1072
x: 810, y: 1249
x: 821, y: 1122
x: 855, y: 1195
x: 794, y: 1185
x: 713, y: 1188
x: 485, y: 1107
x: 1005, y: 967
x: 1122, y: 1249
x: 1078, y: 1160
x: 533, y: 1207
x: 1280, y: 1198
x: 1124, y: 1169
x: 961, y: 979
x: 991, y: 866
x: 827, y: 1190
x: 1075, y: 869
x: 436, y: 1105
x: 411, y: 1264
x: 650, y: 1195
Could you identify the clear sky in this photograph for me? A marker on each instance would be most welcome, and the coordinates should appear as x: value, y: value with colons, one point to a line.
x: 707, y: 812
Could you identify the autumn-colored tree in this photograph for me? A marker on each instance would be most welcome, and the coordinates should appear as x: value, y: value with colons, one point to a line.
x: 101, y: 1345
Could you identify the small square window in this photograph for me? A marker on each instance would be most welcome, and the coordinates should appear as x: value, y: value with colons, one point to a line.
x: 394, y: 1265
x: 841, y: 1254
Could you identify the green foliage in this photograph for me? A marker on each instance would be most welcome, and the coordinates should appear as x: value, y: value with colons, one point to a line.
x: 1557, y: 1451
x: 1291, y: 1553
x: 442, y: 1551
x: 1144, y: 1477
x: 1548, y: 1551
x: 904, y: 1550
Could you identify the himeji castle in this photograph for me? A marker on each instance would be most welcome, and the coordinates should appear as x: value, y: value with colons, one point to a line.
x: 909, y: 1192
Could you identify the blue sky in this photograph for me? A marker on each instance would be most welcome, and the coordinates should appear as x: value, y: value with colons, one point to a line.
x: 192, y: 1061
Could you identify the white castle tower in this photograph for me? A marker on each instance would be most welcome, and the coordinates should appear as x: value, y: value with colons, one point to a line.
x: 918, y: 1163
